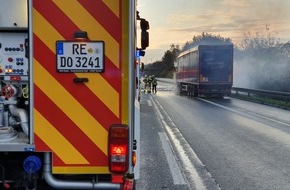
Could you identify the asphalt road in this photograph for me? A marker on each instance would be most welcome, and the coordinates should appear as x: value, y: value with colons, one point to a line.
x: 216, y: 143
x: 155, y: 170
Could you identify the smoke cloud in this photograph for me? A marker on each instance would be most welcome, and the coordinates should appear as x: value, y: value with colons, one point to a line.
x: 266, y: 69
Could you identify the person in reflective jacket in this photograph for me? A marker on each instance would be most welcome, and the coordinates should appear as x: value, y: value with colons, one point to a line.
x: 154, y: 84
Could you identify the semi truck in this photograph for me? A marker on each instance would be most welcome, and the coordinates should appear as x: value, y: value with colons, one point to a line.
x: 205, y: 70
x: 69, y: 106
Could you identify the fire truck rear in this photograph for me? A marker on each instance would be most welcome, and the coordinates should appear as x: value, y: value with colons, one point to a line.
x: 69, y: 109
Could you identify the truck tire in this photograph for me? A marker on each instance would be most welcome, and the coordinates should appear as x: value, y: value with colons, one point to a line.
x: 195, y: 93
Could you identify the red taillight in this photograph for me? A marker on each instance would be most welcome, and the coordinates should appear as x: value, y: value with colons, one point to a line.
x: 118, y: 148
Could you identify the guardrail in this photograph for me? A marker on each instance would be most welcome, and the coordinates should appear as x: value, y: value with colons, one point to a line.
x: 284, y: 96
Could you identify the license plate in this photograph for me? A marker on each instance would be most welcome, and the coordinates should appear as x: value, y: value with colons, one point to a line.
x: 80, y: 57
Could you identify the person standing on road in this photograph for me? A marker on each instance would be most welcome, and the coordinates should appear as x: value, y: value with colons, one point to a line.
x: 154, y: 85
x: 145, y: 80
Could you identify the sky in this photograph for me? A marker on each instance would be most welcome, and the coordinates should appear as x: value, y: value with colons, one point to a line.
x: 177, y: 21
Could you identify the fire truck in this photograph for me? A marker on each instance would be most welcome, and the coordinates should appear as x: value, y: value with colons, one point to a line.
x: 69, y: 109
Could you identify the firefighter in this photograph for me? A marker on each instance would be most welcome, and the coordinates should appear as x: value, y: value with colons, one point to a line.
x: 154, y: 84
x: 147, y: 83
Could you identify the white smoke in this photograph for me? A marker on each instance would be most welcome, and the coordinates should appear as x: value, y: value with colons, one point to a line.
x: 262, y: 71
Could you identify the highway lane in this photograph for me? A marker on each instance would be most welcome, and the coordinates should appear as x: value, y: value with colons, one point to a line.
x: 243, y: 145
x: 159, y: 169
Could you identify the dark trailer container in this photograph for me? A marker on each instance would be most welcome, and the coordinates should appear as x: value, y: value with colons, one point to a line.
x: 205, y: 70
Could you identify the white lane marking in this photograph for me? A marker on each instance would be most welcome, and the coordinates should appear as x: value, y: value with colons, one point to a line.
x: 173, y: 166
x: 242, y: 113
x: 149, y: 102
x: 184, y: 150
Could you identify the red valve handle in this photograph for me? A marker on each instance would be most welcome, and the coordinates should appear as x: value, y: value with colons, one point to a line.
x: 7, y: 91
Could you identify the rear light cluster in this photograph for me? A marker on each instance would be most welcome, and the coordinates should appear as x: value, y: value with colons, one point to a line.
x: 118, y: 148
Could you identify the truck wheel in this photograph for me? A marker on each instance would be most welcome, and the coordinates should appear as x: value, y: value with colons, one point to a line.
x: 190, y: 91
x: 179, y: 89
x: 195, y: 93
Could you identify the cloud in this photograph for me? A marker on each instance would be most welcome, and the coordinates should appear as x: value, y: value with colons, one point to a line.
x: 181, y: 20
x: 234, y: 18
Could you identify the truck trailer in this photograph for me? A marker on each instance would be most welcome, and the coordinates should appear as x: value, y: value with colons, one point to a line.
x: 69, y: 107
x: 205, y: 70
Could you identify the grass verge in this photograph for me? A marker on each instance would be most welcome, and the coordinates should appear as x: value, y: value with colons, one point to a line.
x: 263, y: 100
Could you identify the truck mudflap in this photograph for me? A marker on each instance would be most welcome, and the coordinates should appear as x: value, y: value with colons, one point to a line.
x: 128, y: 185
